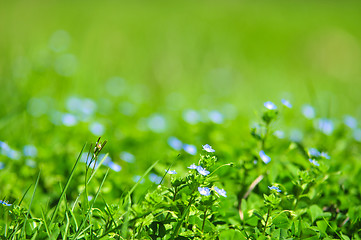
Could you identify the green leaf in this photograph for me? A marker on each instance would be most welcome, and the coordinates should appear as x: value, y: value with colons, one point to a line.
x: 309, y: 234
x: 315, y: 212
x: 231, y: 234
x: 322, y: 226
x: 281, y: 221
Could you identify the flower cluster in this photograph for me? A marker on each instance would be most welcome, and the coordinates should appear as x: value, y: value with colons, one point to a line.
x: 5, y: 203
x: 200, y: 169
x: 205, y: 191
x: 274, y: 188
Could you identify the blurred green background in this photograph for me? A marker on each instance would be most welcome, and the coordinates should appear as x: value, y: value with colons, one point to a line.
x: 144, y: 65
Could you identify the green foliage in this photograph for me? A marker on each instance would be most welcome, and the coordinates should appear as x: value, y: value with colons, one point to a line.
x: 189, y: 75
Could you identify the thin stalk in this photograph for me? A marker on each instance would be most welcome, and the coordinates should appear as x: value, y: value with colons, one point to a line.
x: 204, y: 219
x: 179, y: 224
x: 31, y: 201
x: 263, y: 142
x: 265, y: 225
x: 227, y: 164
x: 66, y: 187
x: 174, y: 197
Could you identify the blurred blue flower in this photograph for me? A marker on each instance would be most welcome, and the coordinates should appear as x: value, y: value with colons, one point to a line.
x: 4, y: 146
x: 2, y: 165
x: 357, y: 134
x: 279, y: 134
x: 270, y: 105
x: 221, y: 192
x: 171, y: 171
x: 155, y: 178
x: 308, y: 111
x: 157, y: 123
x: 136, y: 178
x: 208, y: 148
x: 5, y: 203
x: 216, y: 116
x: 326, y: 126
x: 274, y: 188
x: 204, y: 191
x: 175, y: 143
x: 191, y: 149
x: 191, y: 116
x: 286, y: 103
x: 15, y: 155
x: 114, y: 166
x: 30, y: 162
x: 193, y: 166
x: 314, y: 162
x: 296, y: 135
x: 30, y: 151
x: 266, y: 159
x: 325, y: 155
x: 350, y: 121
x: 97, y: 128
x: 313, y: 152
x: 202, y: 171
x: 88, y: 160
x: 128, y: 157
x: 69, y: 120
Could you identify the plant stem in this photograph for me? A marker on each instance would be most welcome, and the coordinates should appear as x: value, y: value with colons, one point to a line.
x: 263, y: 143
x: 265, y: 225
x: 179, y: 224
x: 204, y: 218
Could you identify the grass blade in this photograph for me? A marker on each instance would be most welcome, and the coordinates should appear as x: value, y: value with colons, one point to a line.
x: 66, y: 186
x: 23, y: 231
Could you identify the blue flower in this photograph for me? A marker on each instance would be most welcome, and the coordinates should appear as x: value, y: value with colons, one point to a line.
x: 308, y: 111
x: 202, y: 171
x: 97, y: 128
x: 325, y: 155
x: 350, y: 121
x: 216, y: 117
x: 171, y: 171
x: 274, y: 188
x: 30, y: 151
x: 204, y: 191
x: 191, y: 116
x: 175, y: 143
x: 193, y: 166
x: 191, y: 149
x: 313, y: 152
x: 266, y: 159
x: 270, y: 105
x: 5, y: 203
x: 136, y: 178
x: 2, y: 165
x: 314, y: 162
x: 326, y: 126
x: 208, y: 148
x: 155, y: 178
x: 114, y: 166
x: 126, y: 156
x: 69, y: 120
x: 280, y: 134
x: 357, y: 134
x: 286, y: 103
x: 221, y: 192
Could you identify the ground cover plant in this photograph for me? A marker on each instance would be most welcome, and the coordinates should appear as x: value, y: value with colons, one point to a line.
x: 278, y: 188
x: 192, y: 120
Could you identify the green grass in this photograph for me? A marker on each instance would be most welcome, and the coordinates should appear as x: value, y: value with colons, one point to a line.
x: 170, y: 57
